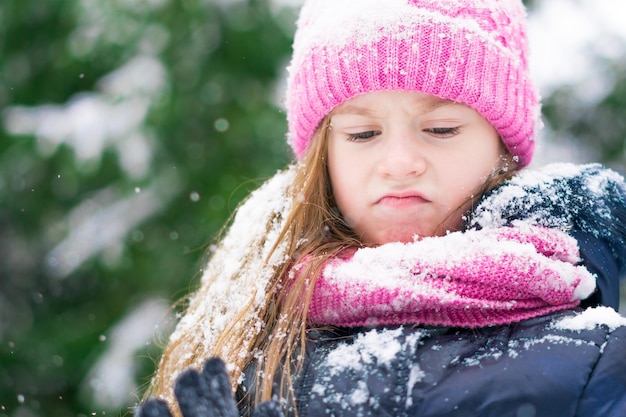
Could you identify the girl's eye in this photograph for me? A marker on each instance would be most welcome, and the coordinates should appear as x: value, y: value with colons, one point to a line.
x: 361, y: 136
x: 443, y: 132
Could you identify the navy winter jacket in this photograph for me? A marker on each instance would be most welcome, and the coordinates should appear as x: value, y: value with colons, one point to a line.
x: 542, y: 367
x: 523, y: 369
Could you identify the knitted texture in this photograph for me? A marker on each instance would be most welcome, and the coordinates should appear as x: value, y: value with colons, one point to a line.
x: 468, y: 51
x: 470, y: 279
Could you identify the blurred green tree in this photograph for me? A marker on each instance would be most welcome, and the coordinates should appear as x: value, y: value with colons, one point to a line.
x: 130, y: 130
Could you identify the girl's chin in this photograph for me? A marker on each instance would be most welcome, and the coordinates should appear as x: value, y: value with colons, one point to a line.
x: 401, y: 236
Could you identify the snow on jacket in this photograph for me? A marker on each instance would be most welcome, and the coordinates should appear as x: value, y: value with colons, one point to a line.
x: 567, y: 363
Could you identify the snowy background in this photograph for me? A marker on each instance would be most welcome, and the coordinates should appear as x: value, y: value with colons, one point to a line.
x: 131, y: 128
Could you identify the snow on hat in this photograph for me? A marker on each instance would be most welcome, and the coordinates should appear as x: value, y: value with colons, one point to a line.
x: 468, y: 51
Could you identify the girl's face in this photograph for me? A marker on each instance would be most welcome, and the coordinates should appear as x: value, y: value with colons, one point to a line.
x: 403, y: 165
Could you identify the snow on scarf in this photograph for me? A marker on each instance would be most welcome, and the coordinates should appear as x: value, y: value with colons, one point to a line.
x: 469, y: 279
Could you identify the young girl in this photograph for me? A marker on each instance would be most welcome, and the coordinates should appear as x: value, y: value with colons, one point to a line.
x: 406, y: 265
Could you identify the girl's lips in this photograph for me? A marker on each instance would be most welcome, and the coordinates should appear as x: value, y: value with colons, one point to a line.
x: 401, y: 200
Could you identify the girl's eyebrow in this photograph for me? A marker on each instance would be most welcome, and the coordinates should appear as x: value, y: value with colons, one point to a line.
x: 427, y: 107
x: 433, y: 105
x: 352, y: 109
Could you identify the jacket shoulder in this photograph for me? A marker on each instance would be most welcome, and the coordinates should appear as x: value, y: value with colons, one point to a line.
x: 589, y: 198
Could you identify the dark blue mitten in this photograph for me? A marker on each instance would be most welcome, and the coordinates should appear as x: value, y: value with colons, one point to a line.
x: 268, y: 409
x: 205, y: 394
x: 154, y: 408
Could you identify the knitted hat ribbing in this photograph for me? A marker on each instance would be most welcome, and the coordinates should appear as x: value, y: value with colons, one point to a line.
x: 470, y: 51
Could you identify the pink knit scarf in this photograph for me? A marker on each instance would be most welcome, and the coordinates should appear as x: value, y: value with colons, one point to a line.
x: 468, y: 279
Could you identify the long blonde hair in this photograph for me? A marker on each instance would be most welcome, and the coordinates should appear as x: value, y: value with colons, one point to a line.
x: 311, y: 227
x: 272, y: 331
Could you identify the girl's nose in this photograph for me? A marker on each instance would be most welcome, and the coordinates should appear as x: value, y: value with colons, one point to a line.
x: 402, y: 157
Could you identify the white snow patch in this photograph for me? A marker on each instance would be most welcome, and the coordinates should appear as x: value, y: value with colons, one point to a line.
x: 415, y: 375
x: 592, y: 318
x: 361, y: 394
x: 111, y: 381
x: 374, y: 346
x: 566, y: 39
x: 91, y: 122
x: 368, y: 348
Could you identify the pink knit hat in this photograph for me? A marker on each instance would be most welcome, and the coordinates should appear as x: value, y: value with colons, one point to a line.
x: 469, y: 51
